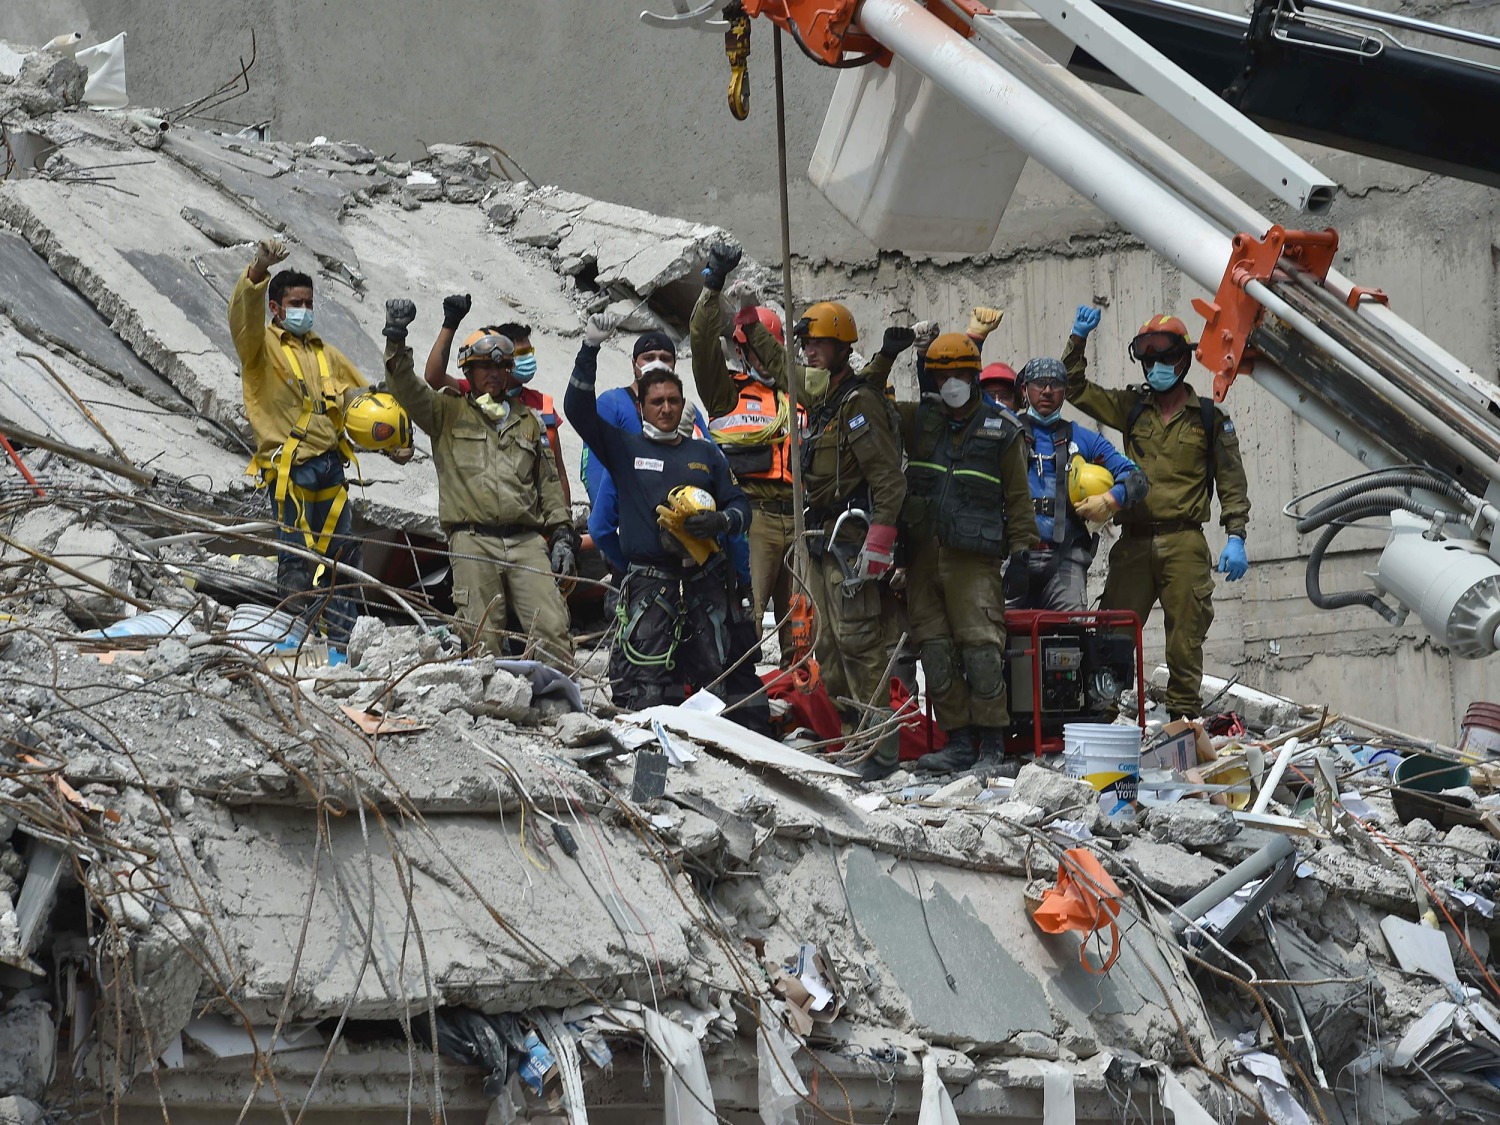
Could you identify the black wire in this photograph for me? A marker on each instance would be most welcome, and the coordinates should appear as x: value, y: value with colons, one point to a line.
x: 842, y: 64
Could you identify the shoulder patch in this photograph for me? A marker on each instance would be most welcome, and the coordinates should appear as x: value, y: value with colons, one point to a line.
x: 856, y: 422
x: 994, y: 423
x: 699, y: 466
x: 1228, y: 426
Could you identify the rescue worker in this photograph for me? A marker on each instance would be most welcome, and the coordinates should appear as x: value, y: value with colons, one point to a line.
x: 455, y: 307
x: 296, y: 389
x: 1056, y: 452
x: 499, y: 498
x: 679, y: 608
x: 750, y: 414
x: 852, y: 462
x: 998, y: 382
x: 968, y: 510
x: 1187, y: 447
x: 982, y: 321
x: 620, y: 407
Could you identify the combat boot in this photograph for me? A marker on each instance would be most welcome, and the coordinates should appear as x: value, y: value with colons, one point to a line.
x: 959, y: 754
x: 991, y: 758
x: 887, y: 756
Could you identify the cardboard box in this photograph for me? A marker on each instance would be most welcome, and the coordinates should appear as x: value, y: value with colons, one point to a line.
x: 1181, y: 746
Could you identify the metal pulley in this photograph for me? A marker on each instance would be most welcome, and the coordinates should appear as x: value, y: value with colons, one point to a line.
x: 737, y: 50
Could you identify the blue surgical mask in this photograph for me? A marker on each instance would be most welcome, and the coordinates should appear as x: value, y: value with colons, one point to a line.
x: 1162, y: 377
x: 525, y: 369
x: 298, y: 321
x: 1045, y: 419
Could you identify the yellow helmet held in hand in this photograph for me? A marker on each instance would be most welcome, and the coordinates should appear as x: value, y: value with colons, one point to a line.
x: 953, y: 351
x: 375, y: 420
x: 683, y: 501
x: 828, y: 320
x: 1086, y: 479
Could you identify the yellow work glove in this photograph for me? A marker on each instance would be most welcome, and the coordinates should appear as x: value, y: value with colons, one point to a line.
x: 1097, y: 509
x: 983, y: 321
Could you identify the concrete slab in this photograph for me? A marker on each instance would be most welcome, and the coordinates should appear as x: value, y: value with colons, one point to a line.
x: 265, y: 868
x: 994, y: 996
x: 44, y: 306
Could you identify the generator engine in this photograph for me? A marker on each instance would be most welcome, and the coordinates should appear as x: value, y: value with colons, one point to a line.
x: 1067, y: 668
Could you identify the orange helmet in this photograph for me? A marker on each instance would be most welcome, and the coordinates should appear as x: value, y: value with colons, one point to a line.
x: 767, y: 317
x: 486, y: 346
x: 1162, y: 338
x: 953, y: 351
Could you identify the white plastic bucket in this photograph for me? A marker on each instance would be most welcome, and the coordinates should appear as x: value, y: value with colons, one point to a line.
x: 1108, y: 757
x: 153, y: 623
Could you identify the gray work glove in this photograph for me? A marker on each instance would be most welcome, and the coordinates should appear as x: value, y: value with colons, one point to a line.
x: 722, y: 258
x: 706, y: 525
x: 599, y: 328
x: 926, y: 331
x: 399, y: 313
x: 455, y: 308
x: 562, y: 556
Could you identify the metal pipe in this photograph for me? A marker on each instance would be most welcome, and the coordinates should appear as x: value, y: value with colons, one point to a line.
x: 1391, y: 19
x: 1436, y: 427
x: 800, y: 562
x: 1085, y: 163
x: 83, y: 456
x: 1145, y: 69
x: 1231, y: 881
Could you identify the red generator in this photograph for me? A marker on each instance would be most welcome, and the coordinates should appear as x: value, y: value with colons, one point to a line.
x: 1069, y: 667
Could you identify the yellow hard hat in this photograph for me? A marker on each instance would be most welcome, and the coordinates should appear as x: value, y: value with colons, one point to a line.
x: 828, y: 320
x: 683, y: 501
x: 1086, y: 479
x: 375, y: 420
x: 953, y: 351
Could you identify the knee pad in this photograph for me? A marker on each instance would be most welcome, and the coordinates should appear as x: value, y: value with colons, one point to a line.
x: 984, y: 668
x: 939, y: 664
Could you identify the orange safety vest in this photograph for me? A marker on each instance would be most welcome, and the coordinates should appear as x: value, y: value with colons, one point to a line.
x: 753, y: 444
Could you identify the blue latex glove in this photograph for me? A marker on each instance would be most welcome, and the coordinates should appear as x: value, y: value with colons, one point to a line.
x: 1233, y: 561
x: 1086, y: 320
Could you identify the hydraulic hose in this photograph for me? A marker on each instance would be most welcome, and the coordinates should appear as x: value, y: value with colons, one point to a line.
x: 1349, y: 598
x: 1372, y: 504
x: 1384, y: 478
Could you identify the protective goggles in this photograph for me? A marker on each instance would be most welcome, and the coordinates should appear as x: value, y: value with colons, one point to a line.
x: 488, y: 349
x: 1163, y: 347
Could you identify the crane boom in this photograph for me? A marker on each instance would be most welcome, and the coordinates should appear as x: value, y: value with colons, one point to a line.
x: 1334, y: 353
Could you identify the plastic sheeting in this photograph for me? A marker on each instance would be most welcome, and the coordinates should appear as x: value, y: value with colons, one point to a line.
x: 780, y: 1087
x: 106, y: 64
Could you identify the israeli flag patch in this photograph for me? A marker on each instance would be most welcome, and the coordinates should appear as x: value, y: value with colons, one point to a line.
x: 1228, y: 426
x: 994, y: 423
x: 856, y: 422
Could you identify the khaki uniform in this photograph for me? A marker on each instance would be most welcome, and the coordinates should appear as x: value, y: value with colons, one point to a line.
x: 1162, y: 554
x: 498, y: 500
x: 968, y: 508
x: 852, y: 459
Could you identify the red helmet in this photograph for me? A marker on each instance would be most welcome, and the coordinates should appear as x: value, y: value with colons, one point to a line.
x: 767, y: 317
x: 998, y: 373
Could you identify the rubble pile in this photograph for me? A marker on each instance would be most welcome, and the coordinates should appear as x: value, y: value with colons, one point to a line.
x: 466, y: 883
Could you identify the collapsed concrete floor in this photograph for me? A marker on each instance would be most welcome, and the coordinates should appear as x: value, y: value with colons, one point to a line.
x: 221, y: 890
x: 224, y: 895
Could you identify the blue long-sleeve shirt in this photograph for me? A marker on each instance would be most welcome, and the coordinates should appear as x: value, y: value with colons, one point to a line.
x: 1041, y: 469
x: 643, y: 472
